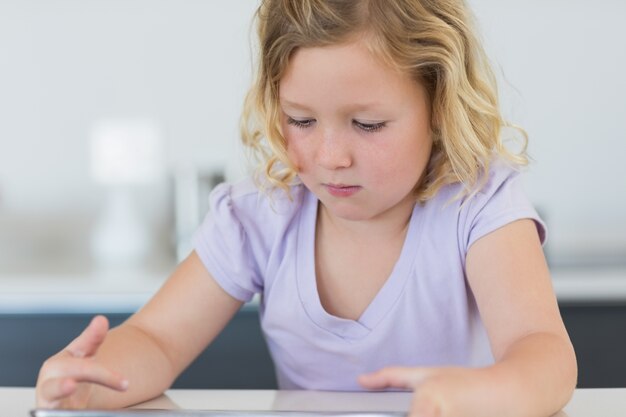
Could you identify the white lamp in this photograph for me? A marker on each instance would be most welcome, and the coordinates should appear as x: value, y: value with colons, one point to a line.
x: 124, y: 154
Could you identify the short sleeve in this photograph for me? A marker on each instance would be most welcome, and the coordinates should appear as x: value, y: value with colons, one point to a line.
x: 223, y: 247
x: 500, y: 201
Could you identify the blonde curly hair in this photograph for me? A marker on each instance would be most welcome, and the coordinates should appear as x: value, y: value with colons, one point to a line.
x: 431, y: 40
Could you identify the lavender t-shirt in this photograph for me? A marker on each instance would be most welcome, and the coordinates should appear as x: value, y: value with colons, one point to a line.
x: 424, y: 315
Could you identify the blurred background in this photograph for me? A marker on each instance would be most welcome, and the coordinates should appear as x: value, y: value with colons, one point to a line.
x: 117, y: 117
x: 67, y: 68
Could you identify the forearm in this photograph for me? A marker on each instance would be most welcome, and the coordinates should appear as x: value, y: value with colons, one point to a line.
x: 536, y: 376
x: 136, y: 355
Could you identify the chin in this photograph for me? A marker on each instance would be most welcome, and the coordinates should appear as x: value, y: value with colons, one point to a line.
x: 348, y: 213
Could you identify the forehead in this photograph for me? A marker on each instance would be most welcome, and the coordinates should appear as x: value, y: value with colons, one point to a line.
x: 348, y: 72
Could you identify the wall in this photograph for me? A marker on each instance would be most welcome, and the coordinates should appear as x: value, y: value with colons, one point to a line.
x: 65, y: 64
x: 561, y: 69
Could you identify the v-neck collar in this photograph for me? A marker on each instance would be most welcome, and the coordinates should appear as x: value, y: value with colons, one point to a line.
x: 382, y: 302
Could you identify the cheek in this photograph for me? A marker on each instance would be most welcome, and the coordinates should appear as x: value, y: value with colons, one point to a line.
x: 404, y: 162
x: 295, y: 152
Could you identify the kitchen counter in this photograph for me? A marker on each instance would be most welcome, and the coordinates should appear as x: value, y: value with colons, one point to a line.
x: 47, y: 311
x: 127, y: 290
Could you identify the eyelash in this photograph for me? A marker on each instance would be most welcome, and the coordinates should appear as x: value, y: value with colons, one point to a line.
x: 301, y: 124
x: 370, y: 127
x: 366, y: 127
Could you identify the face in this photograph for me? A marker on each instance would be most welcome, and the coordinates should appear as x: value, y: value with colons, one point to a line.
x: 357, y: 130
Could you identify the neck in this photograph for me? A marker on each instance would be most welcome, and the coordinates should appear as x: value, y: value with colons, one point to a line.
x: 385, y: 226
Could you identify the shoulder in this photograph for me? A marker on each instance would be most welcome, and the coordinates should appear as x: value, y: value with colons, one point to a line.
x: 501, y: 185
x: 254, y: 210
x: 498, y: 178
x: 455, y: 197
x: 500, y: 198
x: 246, y: 198
x: 242, y: 228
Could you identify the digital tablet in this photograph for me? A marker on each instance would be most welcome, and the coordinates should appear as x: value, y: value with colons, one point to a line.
x: 205, y: 413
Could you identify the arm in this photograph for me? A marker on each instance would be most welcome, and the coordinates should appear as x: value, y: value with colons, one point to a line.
x: 149, y: 350
x: 535, y: 367
x: 535, y: 360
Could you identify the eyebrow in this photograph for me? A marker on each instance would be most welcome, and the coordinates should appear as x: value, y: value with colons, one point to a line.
x: 352, y: 107
x: 293, y: 104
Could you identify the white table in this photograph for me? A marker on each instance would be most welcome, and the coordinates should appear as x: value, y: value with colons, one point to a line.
x: 16, y: 402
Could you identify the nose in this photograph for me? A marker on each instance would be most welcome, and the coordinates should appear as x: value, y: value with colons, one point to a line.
x: 333, y: 151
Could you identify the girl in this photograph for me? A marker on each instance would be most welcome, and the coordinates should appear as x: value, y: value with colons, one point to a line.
x: 389, y: 236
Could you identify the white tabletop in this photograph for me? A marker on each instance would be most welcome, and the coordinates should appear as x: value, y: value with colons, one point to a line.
x: 16, y: 402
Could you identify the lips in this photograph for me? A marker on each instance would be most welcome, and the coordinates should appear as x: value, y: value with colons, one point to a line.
x: 341, y: 190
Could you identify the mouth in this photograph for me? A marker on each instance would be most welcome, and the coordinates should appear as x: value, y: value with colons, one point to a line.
x: 341, y: 190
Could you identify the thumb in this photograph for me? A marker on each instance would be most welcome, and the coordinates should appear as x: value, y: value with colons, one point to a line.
x: 394, y: 377
x: 90, y: 339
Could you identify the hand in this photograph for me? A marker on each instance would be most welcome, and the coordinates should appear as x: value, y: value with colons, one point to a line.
x: 67, y: 378
x: 438, y: 392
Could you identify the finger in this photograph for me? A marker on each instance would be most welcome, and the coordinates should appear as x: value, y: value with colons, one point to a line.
x: 82, y: 370
x: 51, y: 391
x: 394, y: 377
x: 70, y: 372
x: 88, y: 342
x: 426, y: 407
x: 427, y: 401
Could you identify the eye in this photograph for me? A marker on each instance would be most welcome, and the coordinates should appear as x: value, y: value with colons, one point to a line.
x: 302, y: 124
x: 369, y: 127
